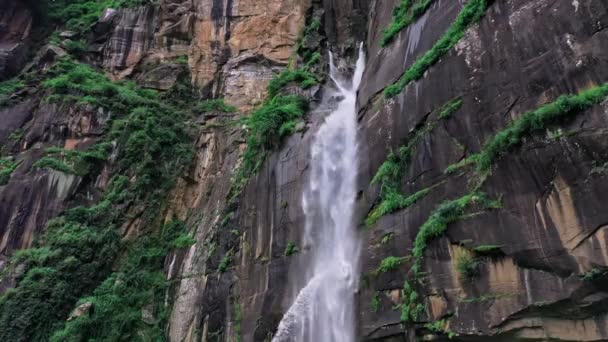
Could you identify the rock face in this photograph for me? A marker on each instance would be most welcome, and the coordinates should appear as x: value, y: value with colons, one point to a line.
x: 550, y: 226
x: 33, y: 196
x: 15, y: 29
x: 546, y: 277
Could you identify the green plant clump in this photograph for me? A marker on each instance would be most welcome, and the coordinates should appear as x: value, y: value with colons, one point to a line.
x: 8, y: 88
x: 467, y: 265
x: 437, y: 223
x: 75, y: 162
x: 215, y: 105
x: 450, y: 108
x: 55, y: 164
x: 225, y: 262
x: 594, y: 274
x: 406, y: 12
x: 440, y: 327
x: 487, y: 250
x: 291, y: 249
x: 303, y: 77
x: 390, y: 263
x: 6, y: 170
x: 375, y: 302
x: 411, y: 308
x: 471, y: 13
x: 393, y: 202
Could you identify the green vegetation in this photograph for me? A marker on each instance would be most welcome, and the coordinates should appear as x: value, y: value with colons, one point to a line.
x: 390, y: 263
x: 411, y: 308
x: 291, y: 249
x: 268, y: 126
x: 309, y: 32
x: 301, y: 76
x: 387, y: 238
x: 467, y: 265
x: 7, y: 166
x: 471, y: 13
x: 450, y: 108
x: 537, y: 120
x: 437, y: 223
x: 488, y: 250
x: 238, y: 320
x: 16, y: 135
x: 389, y: 177
x: 216, y: 105
x: 117, y: 303
x: 76, y: 47
x: 183, y: 241
x: 225, y: 262
x: 406, y: 12
x: 390, y: 174
x: 440, y: 327
x: 183, y: 59
x: 79, y: 15
x: 462, y: 163
x: 393, y: 202
x: 75, y: 162
x: 594, y: 274
x: 55, y: 164
x: 375, y: 302
x: 78, y: 256
x: 8, y: 88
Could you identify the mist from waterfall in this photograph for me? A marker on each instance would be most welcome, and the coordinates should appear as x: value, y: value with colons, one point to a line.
x: 324, y: 309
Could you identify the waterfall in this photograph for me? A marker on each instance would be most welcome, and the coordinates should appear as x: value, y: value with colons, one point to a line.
x: 324, y: 309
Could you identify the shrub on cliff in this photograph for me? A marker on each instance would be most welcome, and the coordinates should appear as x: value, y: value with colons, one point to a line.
x: 151, y: 147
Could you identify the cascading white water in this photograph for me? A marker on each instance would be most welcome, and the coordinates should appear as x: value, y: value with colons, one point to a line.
x: 324, y: 309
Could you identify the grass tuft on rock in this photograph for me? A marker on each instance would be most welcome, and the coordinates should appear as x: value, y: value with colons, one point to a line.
x: 7, y: 167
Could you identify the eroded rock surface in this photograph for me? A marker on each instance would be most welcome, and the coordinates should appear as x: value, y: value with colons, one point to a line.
x: 551, y: 230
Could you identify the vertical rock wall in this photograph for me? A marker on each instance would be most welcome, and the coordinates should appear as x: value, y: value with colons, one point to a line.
x: 522, y: 54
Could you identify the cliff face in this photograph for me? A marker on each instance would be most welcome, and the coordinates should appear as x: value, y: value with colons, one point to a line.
x: 499, y: 230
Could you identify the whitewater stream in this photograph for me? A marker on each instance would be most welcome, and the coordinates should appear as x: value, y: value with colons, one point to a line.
x: 324, y: 308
